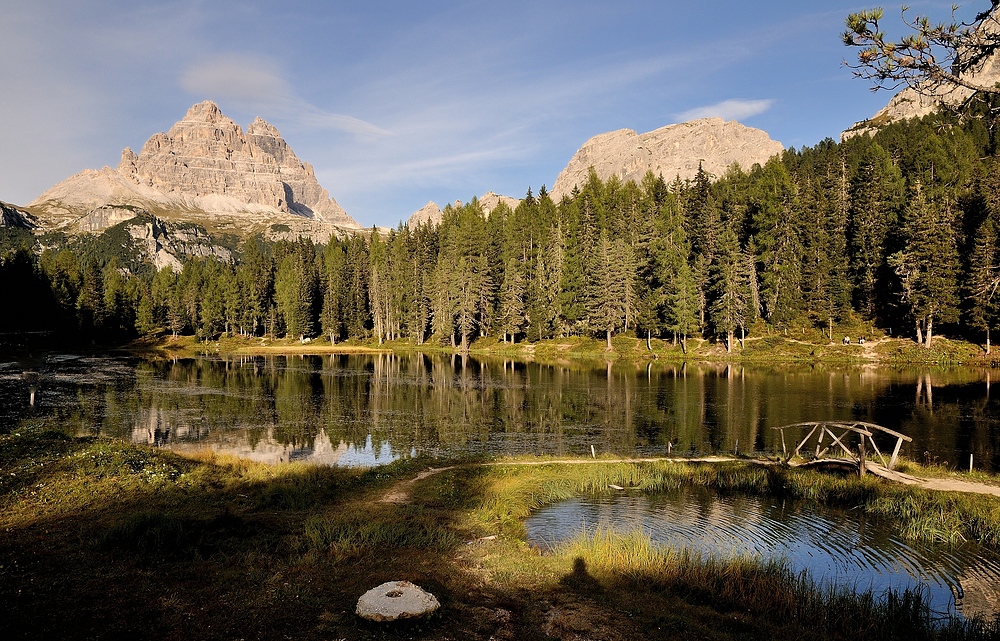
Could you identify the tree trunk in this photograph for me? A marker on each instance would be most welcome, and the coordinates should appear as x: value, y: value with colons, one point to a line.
x: 920, y: 334
x: 649, y: 347
x: 608, y: 334
x: 465, y: 342
x: 684, y: 343
x: 743, y: 336
x: 829, y: 325
x: 729, y: 342
x: 987, y: 341
x: 333, y: 338
x: 453, y: 346
x: 930, y: 326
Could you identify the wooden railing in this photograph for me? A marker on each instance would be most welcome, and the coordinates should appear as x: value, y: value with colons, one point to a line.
x: 851, y: 433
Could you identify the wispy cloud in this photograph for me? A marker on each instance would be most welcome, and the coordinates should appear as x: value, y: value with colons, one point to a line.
x: 727, y: 110
x: 256, y: 82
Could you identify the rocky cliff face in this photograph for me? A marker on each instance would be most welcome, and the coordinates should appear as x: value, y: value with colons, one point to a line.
x: 205, y: 168
x: 428, y: 214
x: 12, y: 217
x: 674, y: 150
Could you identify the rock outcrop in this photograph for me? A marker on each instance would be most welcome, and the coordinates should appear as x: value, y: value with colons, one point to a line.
x: 428, y: 214
x: 205, y: 168
x: 490, y: 201
x: 13, y: 217
x: 674, y: 150
x: 431, y: 213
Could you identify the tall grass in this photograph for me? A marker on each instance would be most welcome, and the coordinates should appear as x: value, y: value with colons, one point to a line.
x: 354, y: 532
x: 511, y: 493
x: 768, y: 589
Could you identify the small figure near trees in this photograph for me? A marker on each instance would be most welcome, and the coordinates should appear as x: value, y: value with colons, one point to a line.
x: 847, y: 340
x: 861, y: 341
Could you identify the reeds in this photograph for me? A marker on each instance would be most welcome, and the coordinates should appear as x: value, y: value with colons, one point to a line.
x: 768, y: 589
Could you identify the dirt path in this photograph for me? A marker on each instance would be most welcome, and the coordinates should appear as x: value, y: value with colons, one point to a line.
x: 401, y: 492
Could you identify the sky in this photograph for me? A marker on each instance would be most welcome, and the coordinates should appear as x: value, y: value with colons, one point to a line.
x: 396, y: 103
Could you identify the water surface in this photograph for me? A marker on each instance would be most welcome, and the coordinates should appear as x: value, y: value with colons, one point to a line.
x: 835, y: 546
x: 370, y: 409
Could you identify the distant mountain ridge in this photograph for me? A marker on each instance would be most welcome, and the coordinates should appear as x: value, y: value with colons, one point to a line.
x: 432, y: 214
x: 674, y: 150
x: 205, y: 169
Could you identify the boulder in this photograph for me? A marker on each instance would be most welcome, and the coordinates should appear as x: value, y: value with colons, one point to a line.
x: 396, y: 600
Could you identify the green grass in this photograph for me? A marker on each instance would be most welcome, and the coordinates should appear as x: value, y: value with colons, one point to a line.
x: 105, y: 539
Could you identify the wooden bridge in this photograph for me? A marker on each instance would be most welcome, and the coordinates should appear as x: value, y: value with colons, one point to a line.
x: 848, y: 445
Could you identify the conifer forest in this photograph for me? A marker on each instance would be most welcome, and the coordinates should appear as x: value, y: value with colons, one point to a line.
x: 900, y: 229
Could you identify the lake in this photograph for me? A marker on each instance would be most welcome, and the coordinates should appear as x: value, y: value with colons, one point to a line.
x: 836, y: 547
x: 371, y: 409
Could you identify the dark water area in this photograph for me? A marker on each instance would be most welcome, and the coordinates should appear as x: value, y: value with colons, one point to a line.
x: 370, y: 409
x: 835, y: 547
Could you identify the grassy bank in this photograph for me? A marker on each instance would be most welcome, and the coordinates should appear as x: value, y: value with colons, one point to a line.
x: 100, y: 539
x: 764, y: 348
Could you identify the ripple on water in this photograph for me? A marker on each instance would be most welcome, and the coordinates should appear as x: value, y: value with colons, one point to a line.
x: 835, y: 546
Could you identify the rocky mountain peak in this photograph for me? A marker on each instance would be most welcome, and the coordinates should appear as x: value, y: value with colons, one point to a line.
x: 261, y: 127
x: 205, y: 165
x: 206, y: 111
x: 674, y: 150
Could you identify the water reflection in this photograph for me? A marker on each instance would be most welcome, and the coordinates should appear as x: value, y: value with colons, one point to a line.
x: 370, y: 409
x: 836, y: 547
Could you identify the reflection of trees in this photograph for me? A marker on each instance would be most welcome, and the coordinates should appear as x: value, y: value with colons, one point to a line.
x: 444, y: 403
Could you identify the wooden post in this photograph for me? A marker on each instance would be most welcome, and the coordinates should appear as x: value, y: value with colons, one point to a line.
x: 784, y: 452
x: 895, y: 454
x: 861, y: 457
x: 819, y: 442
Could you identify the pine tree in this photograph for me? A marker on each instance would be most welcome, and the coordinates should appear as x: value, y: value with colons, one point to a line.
x: 607, y: 301
x: 928, y: 265
x: 729, y: 288
x: 984, y: 280
x: 870, y: 217
x: 511, y: 313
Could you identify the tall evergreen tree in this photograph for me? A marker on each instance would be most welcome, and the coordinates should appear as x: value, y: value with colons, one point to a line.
x: 928, y: 265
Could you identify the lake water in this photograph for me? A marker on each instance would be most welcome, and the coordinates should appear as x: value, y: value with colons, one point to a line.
x: 370, y: 409
x: 835, y: 546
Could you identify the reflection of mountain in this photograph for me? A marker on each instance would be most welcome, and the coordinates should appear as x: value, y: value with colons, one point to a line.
x: 152, y: 429
x: 406, y: 403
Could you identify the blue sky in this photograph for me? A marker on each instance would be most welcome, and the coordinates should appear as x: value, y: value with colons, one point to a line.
x: 398, y: 103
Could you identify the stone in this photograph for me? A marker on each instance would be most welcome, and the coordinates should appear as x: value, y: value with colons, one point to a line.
x: 671, y: 151
x: 396, y: 600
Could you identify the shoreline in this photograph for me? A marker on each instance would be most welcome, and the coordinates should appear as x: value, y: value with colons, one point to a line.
x: 766, y: 350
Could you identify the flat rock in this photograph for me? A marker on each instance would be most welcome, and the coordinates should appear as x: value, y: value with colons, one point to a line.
x: 396, y: 600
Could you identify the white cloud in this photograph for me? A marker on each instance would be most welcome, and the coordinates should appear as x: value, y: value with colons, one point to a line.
x: 233, y: 77
x: 727, y: 110
x: 256, y: 83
